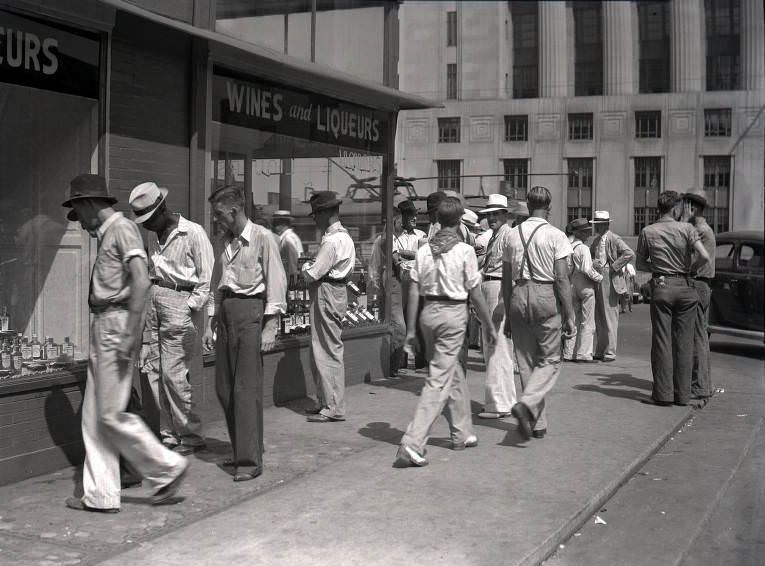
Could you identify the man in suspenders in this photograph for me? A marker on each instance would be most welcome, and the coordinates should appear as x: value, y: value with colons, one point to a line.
x: 327, y: 276
x: 534, y: 282
x: 578, y: 348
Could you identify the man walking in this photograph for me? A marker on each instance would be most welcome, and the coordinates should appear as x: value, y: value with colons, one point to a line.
x: 578, y: 348
x: 290, y: 245
x: 499, y: 389
x: 445, y: 274
x: 180, y: 266
x: 249, y: 297
x: 694, y: 204
x: 327, y: 276
x: 536, y: 287
x: 666, y: 249
x: 118, y: 287
x: 610, y: 254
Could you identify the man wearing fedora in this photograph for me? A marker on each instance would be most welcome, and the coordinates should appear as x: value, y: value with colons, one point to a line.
x: 578, y: 348
x: 180, y: 266
x: 499, y: 388
x: 327, y: 276
x: 250, y: 294
x: 609, y: 254
x: 118, y: 287
x: 694, y: 204
x: 290, y: 245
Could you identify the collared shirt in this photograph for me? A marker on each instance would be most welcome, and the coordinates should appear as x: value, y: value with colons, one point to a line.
x: 291, y: 249
x: 484, y: 237
x: 119, y: 241
x: 582, y: 261
x: 409, y: 241
x: 464, y: 233
x: 250, y: 264
x: 549, y: 244
x: 492, y: 264
x: 186, y: 258
x: 336, y: 255
x: 707, y: 237
x: 666, y: 247
x: 451, y: 274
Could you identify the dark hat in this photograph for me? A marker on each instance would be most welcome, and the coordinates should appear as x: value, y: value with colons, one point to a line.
x: 696, y: 198
x: 322, y: 200
x: 578, y: 224
x: 85, y: 186
x: 407, y: 207
x: 434, y: 199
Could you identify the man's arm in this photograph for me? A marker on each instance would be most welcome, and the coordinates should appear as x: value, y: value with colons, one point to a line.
x: 325, y: 259
x: 562, y: 287
x: 624, y: 254
x: 139, y: 286
x: 276, y: 291
x: 642, y: 260
x: 507, y: 292
x: 702, y: 256
x: 204, y: 259
x: 411, y: 314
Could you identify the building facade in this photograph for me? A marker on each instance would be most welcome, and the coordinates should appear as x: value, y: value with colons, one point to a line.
x: 605, y: 103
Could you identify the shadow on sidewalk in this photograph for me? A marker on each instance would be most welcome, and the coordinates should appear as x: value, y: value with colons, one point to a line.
x: 382, y: 432
x: 613, y: 385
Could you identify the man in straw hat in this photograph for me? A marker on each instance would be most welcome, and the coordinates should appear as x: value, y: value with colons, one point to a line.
x: 290, y: 245
x: 610, y: 254
x: 499, y: 388
x: 445, y: 274
x: 180, y: 266
x: 694, y: 204
x: 327, y: 276
x: 578, y: 348
x: 250, y: 294
x: 118, y: 287
x: 537, y: 299
x: 666, y: 249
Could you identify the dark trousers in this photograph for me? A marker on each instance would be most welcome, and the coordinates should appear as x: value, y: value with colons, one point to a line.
x: 673, y: 321
x: 701, y: 379
x: 239, y: 378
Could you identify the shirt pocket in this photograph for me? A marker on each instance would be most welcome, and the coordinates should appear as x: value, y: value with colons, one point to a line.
x: 246, y: 275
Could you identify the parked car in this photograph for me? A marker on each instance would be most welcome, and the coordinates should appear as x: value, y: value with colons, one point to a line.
x: 737, y: 288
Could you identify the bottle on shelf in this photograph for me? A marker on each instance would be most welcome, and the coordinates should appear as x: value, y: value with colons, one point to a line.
x: 36, y: 348
x: 4, y: 319
x: 67, y: 349
x: 5, y: 358
x: 17, y: 358
x: 51, y: 350
x: 26, y: 349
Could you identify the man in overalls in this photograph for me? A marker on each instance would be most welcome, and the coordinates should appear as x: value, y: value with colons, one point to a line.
x: 578, y: 348
x: 536, y: 287
x: 327, y: 276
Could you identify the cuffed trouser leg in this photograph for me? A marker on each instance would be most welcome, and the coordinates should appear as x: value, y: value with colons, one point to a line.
x: 499, y: 388
x: 701, y: 378
x: 329, y: 303
x: 585, y: 323
x: 606, y: 318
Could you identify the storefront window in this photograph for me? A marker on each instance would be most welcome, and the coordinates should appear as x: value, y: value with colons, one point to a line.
x: 48, y: 135
x: 280, y: 146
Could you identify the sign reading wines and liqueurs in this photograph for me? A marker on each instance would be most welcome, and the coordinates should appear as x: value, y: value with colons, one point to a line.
x: 260, y: 105
x: 47, y: 56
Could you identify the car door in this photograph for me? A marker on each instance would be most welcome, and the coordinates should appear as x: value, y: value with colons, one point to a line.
x: 724, y: 303
x: 751, y: 272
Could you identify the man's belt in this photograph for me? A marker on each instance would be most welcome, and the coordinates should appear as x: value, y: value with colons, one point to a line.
x: 444, y: 299
x: 335, y: 280
x: 106, y: 307
x: 229, y: 294
x: 538, y: 282
x: 173, y: 286
x: 489, y: 276
x: 675, y: 275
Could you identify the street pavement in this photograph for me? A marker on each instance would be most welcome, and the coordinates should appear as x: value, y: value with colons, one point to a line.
x: 329, y: 493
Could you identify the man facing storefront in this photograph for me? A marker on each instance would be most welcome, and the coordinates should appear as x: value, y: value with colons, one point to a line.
x: 180, y: 266
x: 250, y: 295
x: 118, y: 287
x: 405, y: 245
x: 327, y: 276
x: 290, y: 245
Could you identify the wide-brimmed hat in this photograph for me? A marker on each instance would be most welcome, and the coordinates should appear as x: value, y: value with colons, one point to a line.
x: 496, y: 202
x: 578, y: 224
x: 696, y: 197
x: 85, y: 186
x: 322, y: 200
x: 434, y: 199
x: 600, y: 216
x: 470, y: 219
x: 145, y: 199
x: 408, y: 207
x: 281, y: 214
x: 519, y: 208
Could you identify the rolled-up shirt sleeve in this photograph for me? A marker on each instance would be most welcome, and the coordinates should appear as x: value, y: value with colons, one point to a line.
x: 585, y: 263
x: 204, y: 259
x: 274, y: 278
x: 325, y: 259
x: 473, y: 277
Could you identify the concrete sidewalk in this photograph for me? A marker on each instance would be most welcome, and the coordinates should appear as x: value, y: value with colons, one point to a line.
x: 329, y: 493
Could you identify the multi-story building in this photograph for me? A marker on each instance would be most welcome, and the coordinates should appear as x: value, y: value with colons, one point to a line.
x: 605, y: 103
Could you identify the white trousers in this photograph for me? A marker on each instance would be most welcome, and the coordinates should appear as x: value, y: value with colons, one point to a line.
x: 499, y: 389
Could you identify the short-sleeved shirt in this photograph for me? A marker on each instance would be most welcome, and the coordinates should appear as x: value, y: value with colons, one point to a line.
x: 119, y: 241
x: 667, y: 246
x: 547, y: 245
x: 495, y: 252
x: 707, y: 237
x: 336, y: 255
x: 451, y: 274
x: 409, y: 241
x: 291, y: 249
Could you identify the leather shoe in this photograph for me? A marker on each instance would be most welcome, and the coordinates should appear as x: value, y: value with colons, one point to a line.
x: 588, y: 361
x: 323, y: 419
x: 609, y: 359
x: 76, y: 503
x: 312, y: 411
x: 470, y: 442
x: 539, y: 433
x: 651, y: 401
x: 407, y: 456
x: 525, y: 419
x: 166, y: 492
x: 186, y: 450
x: 247, y: 476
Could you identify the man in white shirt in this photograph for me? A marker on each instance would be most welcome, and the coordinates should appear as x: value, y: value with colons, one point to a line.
x: 405, y: 245
x: 578, y: 348
x: 536, y: 287
x: 327, y: 276
x: 290, y: 245
x: 180, y: 266
x: 445, y: 274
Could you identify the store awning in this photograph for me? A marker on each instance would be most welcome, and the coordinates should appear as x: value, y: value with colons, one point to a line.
x: 271, y: 65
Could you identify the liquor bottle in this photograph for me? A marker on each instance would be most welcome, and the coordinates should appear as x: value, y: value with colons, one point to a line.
x: 375, y: 307
x: 291, y: 293
x: 17, y: 359
x: 4, y: 320
x: 67, y: 349
x: 354, y: 288
x: 51, y: 350
x: 36, y: 348
x: 26, y: 349
x: 352, y: 318
x: 5, y: 359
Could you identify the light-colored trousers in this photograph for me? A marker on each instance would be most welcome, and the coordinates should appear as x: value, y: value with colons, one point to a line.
x: 701, y: 378
x: 606, y: 317
x: 170, y: 354
x: 443, y: 327
x: 107, y: 429
x: 536, y: 323
x: 329, y: 303
x: 579, y: 346
x: 499, y: 389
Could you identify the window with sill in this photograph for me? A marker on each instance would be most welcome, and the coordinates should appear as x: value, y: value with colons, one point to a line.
x: 717, y: 122
x: 580, y: 127
x: 646, y: 192
x: 448, y: 130
x: 516, y: 128
x: 648, y: 124
x: 579, y: 193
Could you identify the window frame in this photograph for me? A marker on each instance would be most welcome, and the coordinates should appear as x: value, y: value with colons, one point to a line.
x: 715, y: 166
x: 446, y: 179
x: 646, y: 116
x: 449, y: 129
x: 451, y: 28
x: 580, y: 118
x: 516, y: 119
x: 512, y: 189
x: 727, y: 116
x: 644, y: 215
x: 575, y: 164
x: 452, y: 85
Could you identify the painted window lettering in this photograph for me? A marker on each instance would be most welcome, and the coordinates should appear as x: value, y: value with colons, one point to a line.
x: 23, y: 49
x: 254, y: 101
